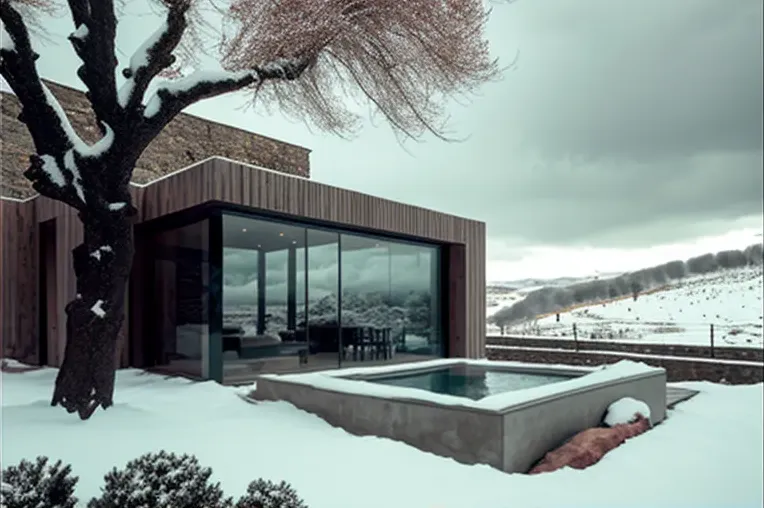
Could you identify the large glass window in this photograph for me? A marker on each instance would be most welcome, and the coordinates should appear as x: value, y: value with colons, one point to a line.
x: 366, y: 312
x: 263, y: 296
x: 323, y: 289
x: 279, y: 297
x: 178, y: 318
x: 415, y: 278
x: 390, y: 299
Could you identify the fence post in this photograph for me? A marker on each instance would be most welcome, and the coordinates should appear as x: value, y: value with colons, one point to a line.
x: 713, y: 354
x: 575, y: 336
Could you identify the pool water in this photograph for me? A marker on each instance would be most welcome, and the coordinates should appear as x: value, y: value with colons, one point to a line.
x: 469, y: 381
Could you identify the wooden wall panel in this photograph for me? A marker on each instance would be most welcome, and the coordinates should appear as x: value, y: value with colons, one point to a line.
x: 219, y: 180
x: 223, y: 180
x: 18, y: 273
x: 68, y: 235
x: 455, y: 257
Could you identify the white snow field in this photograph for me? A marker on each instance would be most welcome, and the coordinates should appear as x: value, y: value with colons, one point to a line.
x: 731, y: 300
x: 706, y: 454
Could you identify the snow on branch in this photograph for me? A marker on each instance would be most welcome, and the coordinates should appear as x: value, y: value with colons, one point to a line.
x: 196, y: 86
x: 74, y: 140
x: 72, y: 137
x: 139, y: 60
x: 81, y: 32
x: 18, y: 67
x: 153, y: 56
x: 175, y: 95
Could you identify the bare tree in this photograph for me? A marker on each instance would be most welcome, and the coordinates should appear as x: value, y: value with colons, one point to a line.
x: 303, y: 56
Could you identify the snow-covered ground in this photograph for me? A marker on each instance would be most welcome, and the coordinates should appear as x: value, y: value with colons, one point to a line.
x: 707, y: 454
x: 731, y: 300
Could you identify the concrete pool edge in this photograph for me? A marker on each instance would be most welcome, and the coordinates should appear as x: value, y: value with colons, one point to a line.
x: 511, y: 438
x: 416, y: 396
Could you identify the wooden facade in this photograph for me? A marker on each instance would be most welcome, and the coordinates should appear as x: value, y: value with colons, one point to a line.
x: 225, y: 181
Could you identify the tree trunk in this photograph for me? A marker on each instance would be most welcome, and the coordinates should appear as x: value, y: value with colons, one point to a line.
x: 102, y: 266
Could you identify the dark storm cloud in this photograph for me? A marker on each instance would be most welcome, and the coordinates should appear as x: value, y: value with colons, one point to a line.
x: 623, y: 124
x: 643, y: 80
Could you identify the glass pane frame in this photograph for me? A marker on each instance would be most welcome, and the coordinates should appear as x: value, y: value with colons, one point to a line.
x: 216, y: 215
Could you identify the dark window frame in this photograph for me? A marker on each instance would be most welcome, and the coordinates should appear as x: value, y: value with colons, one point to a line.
x: 214, y: 211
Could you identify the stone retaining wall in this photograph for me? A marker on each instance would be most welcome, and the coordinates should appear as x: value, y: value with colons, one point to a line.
x: 185, y: 141
x: 676, y: 369
x: 727, y: 353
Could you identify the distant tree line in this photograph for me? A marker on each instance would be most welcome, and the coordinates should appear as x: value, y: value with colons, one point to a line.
x: 552, y: 299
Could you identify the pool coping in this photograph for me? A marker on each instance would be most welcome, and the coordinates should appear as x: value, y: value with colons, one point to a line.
x: 412, y: 369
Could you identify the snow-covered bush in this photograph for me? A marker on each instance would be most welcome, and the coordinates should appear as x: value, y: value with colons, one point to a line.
x: 161, y: 480
x: 267, y: 494
x: 38, y: 485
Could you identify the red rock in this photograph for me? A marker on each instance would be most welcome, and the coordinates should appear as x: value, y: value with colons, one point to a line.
x: 589, y: 446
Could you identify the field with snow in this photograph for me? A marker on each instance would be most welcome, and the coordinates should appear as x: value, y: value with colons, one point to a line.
x: 706, y: 454
x: 731, y: 300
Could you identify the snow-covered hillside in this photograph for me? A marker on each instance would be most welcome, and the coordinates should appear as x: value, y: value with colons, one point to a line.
x: 731, y: 300
x: 501, y: 294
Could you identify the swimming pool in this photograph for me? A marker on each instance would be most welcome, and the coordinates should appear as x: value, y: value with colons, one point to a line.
x: 470, y: 381
x: 504, y: 414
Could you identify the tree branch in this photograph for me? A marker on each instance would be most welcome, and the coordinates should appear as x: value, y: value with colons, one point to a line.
x: 55, y: 169
x: 175, y: 96
x: 153, y: 56
x: 49, y: 179
x: 94, y: 42
x: 18, y: 67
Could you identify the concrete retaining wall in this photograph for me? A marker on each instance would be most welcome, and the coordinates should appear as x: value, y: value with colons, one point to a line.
x: 512, y: 439
x: 532, y: 431
x: 469, y: 436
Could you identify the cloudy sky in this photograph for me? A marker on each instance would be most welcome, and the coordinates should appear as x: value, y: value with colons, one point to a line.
x: 628, y: 133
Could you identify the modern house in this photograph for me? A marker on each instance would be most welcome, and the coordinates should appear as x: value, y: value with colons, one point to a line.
x: 243, y: 264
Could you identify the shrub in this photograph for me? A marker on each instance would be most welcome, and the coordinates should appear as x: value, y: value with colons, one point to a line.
x: 161, y: 480
x: 267, y: 494
x: 38, y: 485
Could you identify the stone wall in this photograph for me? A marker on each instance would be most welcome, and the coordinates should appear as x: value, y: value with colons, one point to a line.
x: 676, y: 369
x: 186, y: 140
x: 726, y: 353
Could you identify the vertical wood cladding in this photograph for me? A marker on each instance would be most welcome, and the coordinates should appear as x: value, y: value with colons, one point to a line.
x: 18, y: 273
x: 262, y: 190
x: 223, y: 180
x: 19, y: 257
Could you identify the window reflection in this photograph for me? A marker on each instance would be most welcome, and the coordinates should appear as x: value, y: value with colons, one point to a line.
x: 263, y: 274
x: 178, y: 313
x: 415, y: 288
x: 323, y: 304
x: 293, y: 298
x: 367, y: 313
